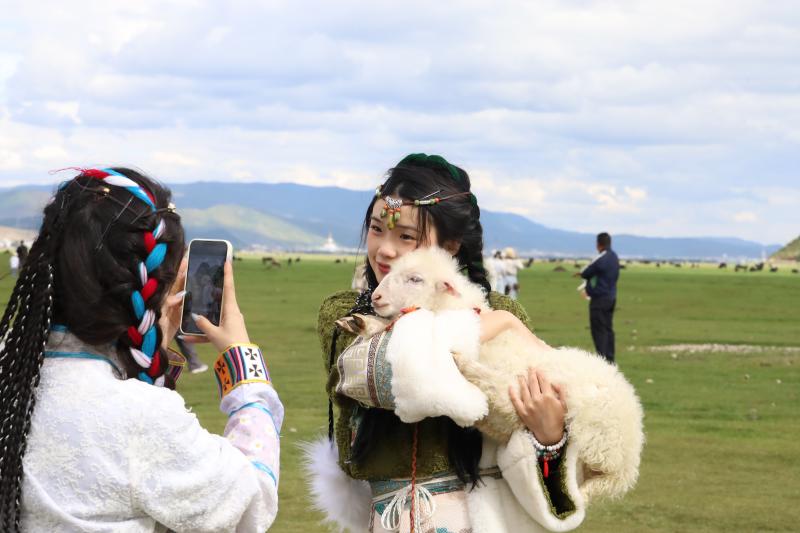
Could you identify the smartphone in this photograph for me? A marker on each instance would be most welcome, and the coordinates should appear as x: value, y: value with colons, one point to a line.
x: 204, y: 281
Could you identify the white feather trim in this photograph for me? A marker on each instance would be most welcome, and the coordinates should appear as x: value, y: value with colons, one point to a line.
x: 345, y: 502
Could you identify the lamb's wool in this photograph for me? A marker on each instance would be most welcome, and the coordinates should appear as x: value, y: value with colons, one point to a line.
x: 416, y: 396
x: 603, y: 412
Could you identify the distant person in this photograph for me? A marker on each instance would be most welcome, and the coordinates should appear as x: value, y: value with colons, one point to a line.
x: 601, y: 277
x: 22, y: 252
x: 511, y: 265
x: 13, y: 264
x: 196, y: 366
x: 497, y: 273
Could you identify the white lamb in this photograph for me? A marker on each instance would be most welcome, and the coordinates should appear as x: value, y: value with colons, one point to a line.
x: 604, y: 415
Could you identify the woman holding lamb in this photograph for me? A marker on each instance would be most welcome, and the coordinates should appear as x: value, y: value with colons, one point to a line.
x: 379, y: 472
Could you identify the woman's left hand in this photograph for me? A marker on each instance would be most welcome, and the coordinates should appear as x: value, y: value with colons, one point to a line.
x: 170, y: 319
x: 540, y: 405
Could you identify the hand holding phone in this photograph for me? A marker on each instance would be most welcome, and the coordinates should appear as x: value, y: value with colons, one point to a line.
x: 211, y: 314
x: 232, y: 329
x: 204, y: 283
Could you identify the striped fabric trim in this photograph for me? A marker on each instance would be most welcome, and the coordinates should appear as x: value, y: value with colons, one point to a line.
x: 81, y: 355
x: 264, y: 468
x: 176, y: 362
x: 260, y: 407
x: 241, y: 363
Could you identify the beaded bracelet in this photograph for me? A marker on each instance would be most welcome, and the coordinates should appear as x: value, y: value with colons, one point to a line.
x: 547, y: 453
x: 240, y: 363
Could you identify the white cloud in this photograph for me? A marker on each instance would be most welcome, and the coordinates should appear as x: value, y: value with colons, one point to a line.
x: 174, y: 159
x: 49, y: 152
x: 65, y: 109
x: 609, y: 198
x: 745, y: 216
x: 634, y: 116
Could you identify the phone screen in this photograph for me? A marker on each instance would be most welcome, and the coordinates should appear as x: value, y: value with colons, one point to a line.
x: 204, y: 279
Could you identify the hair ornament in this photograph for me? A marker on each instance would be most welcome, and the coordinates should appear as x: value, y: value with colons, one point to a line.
x: 143, y: 336
x: 391, y: 206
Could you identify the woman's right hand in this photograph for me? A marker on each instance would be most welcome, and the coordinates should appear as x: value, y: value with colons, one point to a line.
x: 231, y: 329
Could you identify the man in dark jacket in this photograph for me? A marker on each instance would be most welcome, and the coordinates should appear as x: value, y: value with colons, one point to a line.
x: 601, y: 277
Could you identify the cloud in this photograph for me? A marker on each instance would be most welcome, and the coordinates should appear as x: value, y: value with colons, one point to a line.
x: 745, y: 216
x: 641, y: 117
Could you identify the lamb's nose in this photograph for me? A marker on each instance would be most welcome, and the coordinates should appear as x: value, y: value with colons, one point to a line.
x: 376, y: 297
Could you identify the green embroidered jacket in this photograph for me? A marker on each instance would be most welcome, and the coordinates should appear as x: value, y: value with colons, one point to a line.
x: 391, y: 456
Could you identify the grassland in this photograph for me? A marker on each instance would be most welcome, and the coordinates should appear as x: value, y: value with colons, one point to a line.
x: 722, y: 428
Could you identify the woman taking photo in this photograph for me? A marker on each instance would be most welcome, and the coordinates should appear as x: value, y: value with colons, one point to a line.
x: 432, y: 475
x: 94, y: 439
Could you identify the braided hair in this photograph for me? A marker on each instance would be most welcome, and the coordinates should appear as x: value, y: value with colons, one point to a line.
x: 455, y: 220
x: 82, y: 270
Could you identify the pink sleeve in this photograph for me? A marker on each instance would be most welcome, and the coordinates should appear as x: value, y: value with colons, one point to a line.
x: 252, y: 404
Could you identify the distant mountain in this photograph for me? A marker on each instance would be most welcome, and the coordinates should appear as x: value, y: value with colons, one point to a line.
x: 291, y: 216
x: 790, y: 252
x: 10, y: 237
x: 244, y: 226
x: 21, y: 207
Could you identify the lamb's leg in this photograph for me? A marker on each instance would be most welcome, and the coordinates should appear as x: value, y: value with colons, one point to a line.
x: 363, y: 325
x: 502, y: 419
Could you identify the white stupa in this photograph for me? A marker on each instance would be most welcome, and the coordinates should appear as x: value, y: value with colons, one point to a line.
x: 330, y: 245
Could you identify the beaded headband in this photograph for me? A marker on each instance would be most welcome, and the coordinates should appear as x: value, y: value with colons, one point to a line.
x: 143, y: 336
x: 391, y: 206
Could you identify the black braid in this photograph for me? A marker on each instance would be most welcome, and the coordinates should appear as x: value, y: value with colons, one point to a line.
x: 23, y: 330
x: 470, y: 255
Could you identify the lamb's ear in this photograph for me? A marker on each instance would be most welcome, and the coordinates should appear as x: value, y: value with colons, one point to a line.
x: 446, y: 286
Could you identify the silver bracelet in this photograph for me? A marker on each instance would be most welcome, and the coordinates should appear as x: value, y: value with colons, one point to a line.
x: 541, y: 448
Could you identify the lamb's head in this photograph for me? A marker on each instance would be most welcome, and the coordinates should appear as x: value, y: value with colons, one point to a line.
x: 428, y: 278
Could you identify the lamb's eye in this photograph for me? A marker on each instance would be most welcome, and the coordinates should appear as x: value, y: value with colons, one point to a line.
x: 415, y: 279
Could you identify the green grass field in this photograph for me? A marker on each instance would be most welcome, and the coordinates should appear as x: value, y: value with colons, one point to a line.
x: 722, y: 449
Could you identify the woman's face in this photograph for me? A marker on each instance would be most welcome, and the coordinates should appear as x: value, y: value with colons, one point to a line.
x: 384, y: 246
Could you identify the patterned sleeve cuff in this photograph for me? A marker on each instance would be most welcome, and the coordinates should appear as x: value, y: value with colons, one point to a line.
x: 176, y: 362
x: 240, y: 363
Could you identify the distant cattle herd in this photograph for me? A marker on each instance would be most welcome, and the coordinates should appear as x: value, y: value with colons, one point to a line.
x: 277, y: 262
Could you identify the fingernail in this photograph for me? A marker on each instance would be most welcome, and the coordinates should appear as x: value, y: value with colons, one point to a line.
x: 195, y: 317
x: 180, y: 294
x: 179, y: 336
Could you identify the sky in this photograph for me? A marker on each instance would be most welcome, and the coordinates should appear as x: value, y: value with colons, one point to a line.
x: 677, y: 118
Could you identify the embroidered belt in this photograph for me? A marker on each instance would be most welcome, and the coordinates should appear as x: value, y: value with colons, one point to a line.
x: 437, y: 484
x: 391, y: 497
